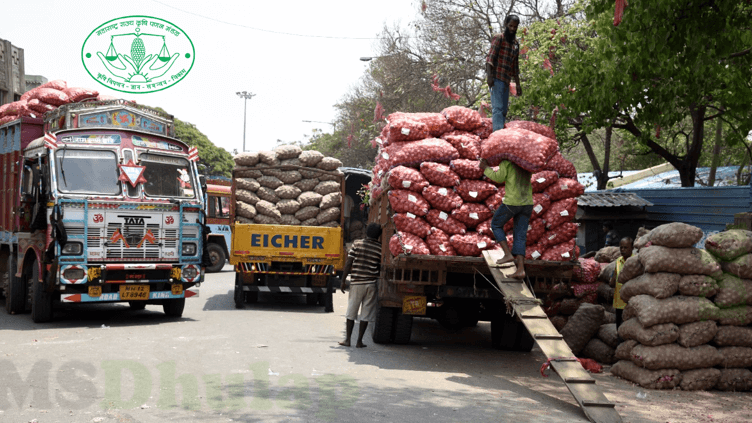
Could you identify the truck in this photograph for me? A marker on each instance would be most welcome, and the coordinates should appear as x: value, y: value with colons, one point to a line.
x: 288, y: 259
x: 457, y: 291
x: 218, y: 196
x: 100, y: 203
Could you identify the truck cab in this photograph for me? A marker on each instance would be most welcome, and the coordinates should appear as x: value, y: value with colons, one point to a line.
x: 218, y: 196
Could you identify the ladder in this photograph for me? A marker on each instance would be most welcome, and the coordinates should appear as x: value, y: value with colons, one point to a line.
x: 581, y: 385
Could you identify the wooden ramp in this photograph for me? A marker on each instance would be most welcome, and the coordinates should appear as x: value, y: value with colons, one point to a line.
x: 596, y: 406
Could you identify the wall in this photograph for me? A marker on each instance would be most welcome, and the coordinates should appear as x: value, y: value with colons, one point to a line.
x: 12, y: 82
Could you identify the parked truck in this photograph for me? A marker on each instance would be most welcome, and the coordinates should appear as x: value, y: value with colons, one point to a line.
x: 457, y: 291
x: 218, y: 196
x: 99, y: 203
x: 289, y: 259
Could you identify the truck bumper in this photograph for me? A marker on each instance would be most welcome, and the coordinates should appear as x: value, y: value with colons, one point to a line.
x: 115, y: 296
x: 286, y: 289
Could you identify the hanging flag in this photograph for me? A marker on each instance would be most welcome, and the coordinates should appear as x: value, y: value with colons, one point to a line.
x: 118, y: 236
x: 148, y: 237
x: 50, y: 141
x: 193, y: 154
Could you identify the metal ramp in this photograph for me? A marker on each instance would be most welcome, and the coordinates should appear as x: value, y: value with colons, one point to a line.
x: 596, y: 406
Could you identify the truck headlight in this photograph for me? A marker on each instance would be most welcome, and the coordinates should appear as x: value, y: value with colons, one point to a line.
x: 73, y: 273
x: 189, y: 249
x: 73, y: 249
x: 190, y: 272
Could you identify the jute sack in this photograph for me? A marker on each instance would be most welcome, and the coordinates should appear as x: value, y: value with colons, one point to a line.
x: 241, y: 219
x: 675, y: 355
x: 310, y: 158
x: 284, y: 152
x: 559, y: 322
x: 734, y: 357
x: 268, y: 158
x: 607, y: 272
x: 270, y: 182
x: 650, y: 379
x: 735, y: 316
x: 741, y: 266
x: 641, y: 242
x: 306, y: 184
x: 268, y: 209
x: 329, y: 163
x: 632, y: 268
x: 246, y: 196
x: 700, y: 379
x: 288, y: 206
x: 288, y: 219
x: 327, y: 187
x: 289, y: 177
x: 309, y: 222
x: 733, y: 336
x: 307, y: 212
x: 659, y: 285
x: 624, y: 350
x: 245, y: 210
x: 655, y: 335
x: 246, y: 159
x: 733, y: 291
x: 686, y: 261
x: 331, y: 176
x: 267, y: 194
x: 608, y: 316
x: 249, y: 184
x: 607, y: 334
x: 310, y: 199
x: 739, y: 380
x: 605, y: 293
x: 247, y: 173
x: 675, y: 235
x: 290, y: 162
x: 678, y: 309
x: 698, y: 286
x: 328, y: 215
x: 263, y: 219
x: 332, y: 224
x: 287, y: 192
x: 582, y: 326
x: 607, y: 254
x: 697, y: 333
x: 628, y: 313
x: 598, y: 351
x: 730, y: 244
x: 333, y: 199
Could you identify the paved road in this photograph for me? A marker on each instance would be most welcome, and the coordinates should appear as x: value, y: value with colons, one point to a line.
x: 275, y: 361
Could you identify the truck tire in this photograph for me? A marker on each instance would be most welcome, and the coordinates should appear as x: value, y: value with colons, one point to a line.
x: 525, y: 341
x: 174, y: 307
x: 238, y: 294
x: 382, y: 332
x: 497, y: 330
x: 451, y: 318
x: 312, y: 299
x: 137, y: 305
x: 41, y: 304
x: 15, y: 299
x: 217, y: 256
x: 403, y: 328
x: 514, y: 336
x: 251, y: 297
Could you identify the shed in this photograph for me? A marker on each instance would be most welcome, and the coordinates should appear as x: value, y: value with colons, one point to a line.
x: 626, y: 210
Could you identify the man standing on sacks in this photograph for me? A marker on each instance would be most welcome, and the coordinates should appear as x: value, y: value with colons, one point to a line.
x: 503, y: 65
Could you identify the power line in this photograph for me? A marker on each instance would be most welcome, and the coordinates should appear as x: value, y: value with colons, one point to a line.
x: 267, y: 30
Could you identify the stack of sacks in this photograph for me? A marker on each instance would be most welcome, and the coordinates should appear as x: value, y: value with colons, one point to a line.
x: 564, y: 299
x: 671, y: 328
x: 288, y: 186
x: 45, y: 98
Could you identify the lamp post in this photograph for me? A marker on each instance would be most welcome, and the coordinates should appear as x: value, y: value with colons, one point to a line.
x: 244, y: 95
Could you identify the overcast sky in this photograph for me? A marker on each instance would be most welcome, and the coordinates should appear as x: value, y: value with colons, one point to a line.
x: 295, y: 78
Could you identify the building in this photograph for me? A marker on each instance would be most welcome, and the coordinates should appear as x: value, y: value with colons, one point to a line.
x: 33, y: 81
x: 12, y: 82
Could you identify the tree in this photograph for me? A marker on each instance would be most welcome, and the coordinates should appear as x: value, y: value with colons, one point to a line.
x: 218, y: 161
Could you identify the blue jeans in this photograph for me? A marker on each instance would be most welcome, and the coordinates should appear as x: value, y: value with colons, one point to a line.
x: 499, y: 103
x: 521, y: 215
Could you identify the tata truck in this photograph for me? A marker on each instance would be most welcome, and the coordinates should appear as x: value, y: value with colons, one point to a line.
x: 99, y: 202
x: 218, y: 196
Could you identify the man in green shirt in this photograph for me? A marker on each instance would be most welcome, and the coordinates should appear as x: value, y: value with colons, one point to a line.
x: 518, y: 204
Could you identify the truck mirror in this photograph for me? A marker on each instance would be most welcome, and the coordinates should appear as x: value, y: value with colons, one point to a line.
x: 202, y: 182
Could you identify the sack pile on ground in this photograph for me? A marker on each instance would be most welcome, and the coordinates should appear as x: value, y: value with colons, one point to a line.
x: 427, y: 166
x: 687, y: 322
x: 45, y: 98
x: 288, y: 186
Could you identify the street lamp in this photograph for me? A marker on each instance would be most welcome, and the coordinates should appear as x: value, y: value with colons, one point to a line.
x: 317, y: 121
x: 245, y: 95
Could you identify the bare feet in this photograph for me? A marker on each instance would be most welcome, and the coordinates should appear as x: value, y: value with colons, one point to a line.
x: 345, y: 343
x: 519, y: 261
x: 360, y: 345
x: 508, y: 258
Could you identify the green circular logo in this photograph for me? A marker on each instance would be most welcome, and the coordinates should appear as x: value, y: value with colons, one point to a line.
x: 138, y: 54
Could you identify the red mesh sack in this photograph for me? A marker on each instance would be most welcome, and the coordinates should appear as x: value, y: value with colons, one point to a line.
x: 50, y: 96
x: 403, y: 128
x: 526, y: 149
x: 562, y: 166
x: 484, y: 228
x: 467, y: 169
x: 39, y: 107
x: 3, y: 108
x: 472, y: 214
x: 57, y: 84
x: 105, y: 97
x: 7, y: 118
x: 466, y: 143
x: 588, y: 271
x: 436, y: 123
x: 428, y: 150
x: 442, y: 198
x: 485, y: 129
x: 403, y: 201
x: 561, y: 211
x: 15, y: 108
x: 439, y: 243
x: 410, y: 223
x: 543, y: 180
x: 535, y: 230
x: 493, y: 202
x: 565, y: 188
x: 463, y: 118
x: 402, y: 177
x: 541, y: 203
x: 76, y: 94
x: 445, y: 222
x: 27, y: 95
x: 471, y: 244
x: 562, y: 252
x: 439, y: 174
x: 532, y: 126
x: 475, y: 191
x: 559, y: 234
x: 407, y: 244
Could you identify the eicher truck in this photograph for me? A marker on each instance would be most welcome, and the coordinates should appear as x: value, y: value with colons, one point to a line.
x: 99, y: 203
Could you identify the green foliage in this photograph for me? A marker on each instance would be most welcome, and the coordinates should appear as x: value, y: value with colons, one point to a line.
x: 218, y: 161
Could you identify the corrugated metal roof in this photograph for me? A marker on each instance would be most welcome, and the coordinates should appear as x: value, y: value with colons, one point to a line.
x: 611, y: 199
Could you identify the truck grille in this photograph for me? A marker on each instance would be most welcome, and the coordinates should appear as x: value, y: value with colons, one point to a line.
x: 94, y: 235
x: 133, y: 236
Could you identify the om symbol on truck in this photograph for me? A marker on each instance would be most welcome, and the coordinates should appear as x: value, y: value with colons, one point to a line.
x: 170, y: 220
x: 98, y: 218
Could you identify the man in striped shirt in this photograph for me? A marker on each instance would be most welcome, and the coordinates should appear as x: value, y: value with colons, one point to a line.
x: 363, y: 267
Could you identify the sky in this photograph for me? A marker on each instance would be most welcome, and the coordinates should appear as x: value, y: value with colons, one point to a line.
x: 295, y: 78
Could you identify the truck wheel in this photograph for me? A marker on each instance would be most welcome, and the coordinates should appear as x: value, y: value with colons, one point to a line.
x: 497, y: 330
x: 450, y: 319
x: 174, y: 307
x: 137, y: 305
x: 251, y: 297
x: 514, y: 336
x: 382, y: 327
x: 403, y: 327
x: 41, y: 304
x: 312, y: 299
x: 238, y: 295
x: 525, y: 341
x: 217, y: 256
x: 15, y: 296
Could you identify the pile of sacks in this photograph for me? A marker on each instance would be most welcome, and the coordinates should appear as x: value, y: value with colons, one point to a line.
x: 428, y: 167
x: 688, y: 314
x: 565, y: 299
x: 288, y: 186
x: 45, y: 98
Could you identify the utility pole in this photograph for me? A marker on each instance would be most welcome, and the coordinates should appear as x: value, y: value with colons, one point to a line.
x: 245, y: 95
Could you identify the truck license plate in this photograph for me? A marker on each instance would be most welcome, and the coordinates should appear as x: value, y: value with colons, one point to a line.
x: 319, y: 280
x: 95, y: 291
x: 134, y: 292
x: 177, y: 289
x: 414, y: 304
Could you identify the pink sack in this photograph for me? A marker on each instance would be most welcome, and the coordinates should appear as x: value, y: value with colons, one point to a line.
x: 484, y: 131
x: 57, y: 84
x: 428, y: 150
x: 564, y: 188
x: 442, y: 198
x: 403, y: 201
x: 406, y: 129
x: 473, y: 191
x: 463, y: 118
x: 105, y: 97
x: 588, y: 270
x: 467, y: 169
x: 532, y: 126
x: 407, y: 244
x: 543, y: 180
x: 14, y: 108
x: 471, y: 244
x: 439, y: 174
x: 536, y: 228
x: 445, y: 222
x: 559, y: 234
x: 562, y: 252
x: 526, y: 149
x: 39, y: 107
x: 50, y: 96
x: 493, y: 202
x: 410, y: 223
x: 402, y: 177
x: 472, y: 214
x: 76, y: 94
x: 439, y: 243
x: 561, y: 211
x: 466, y: 143
x: 562, y: 166
x: 7, y: 118
x: 436, y: 123
x: 485, y: 228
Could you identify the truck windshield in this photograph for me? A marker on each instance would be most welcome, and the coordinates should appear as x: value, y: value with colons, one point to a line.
x: 87, y: 171
x: 167, y: 176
